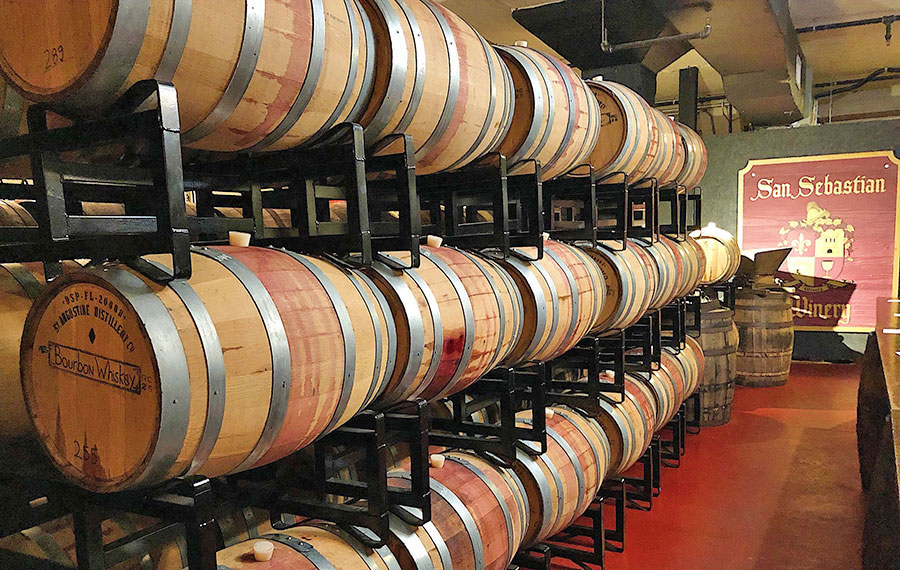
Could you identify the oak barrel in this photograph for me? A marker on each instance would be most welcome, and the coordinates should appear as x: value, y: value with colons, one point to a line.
x: 438, y: 80
x: 249, y: 75
x: 696, y: 158
x: 630, y: 140
x: 766, y: 328
x: 626, y: 426
x: 561, y: 294
x: 479, y: 516
x: 254, y: 357
x: 13, y: 215
x: 630, y: 281
x: 562, y: 483
x: 671, y: 149
x: 669, y: 267
x: 719, y: 339
x: 314, y: 545
x: 723, y: 256
x: 556, y: 119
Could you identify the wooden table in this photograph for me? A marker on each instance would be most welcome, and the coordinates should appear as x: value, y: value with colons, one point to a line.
x: 878, y: 439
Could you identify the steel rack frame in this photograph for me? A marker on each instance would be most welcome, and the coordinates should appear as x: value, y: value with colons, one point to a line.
x: 483, y: 206
x: 571, y: 206
x: 583, y: 543
x: 508, y: 390
x: 614, y: 494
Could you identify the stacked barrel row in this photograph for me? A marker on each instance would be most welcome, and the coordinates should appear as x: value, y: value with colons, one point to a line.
x: 269, y: 75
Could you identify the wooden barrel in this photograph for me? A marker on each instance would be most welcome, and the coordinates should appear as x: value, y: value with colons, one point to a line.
x: 693, y: 354
x: 692, y: 261
x: 688, y: 367
x: 629, y: 283
x: 669, y: 267
x: 722, y: 254
x: 666, y: 395
x: 560, y: 293
x: 696, y: 158
x: 13, y: 215
x: 625, y: 425
x: 509, y: 298
x: 20, y: 284
x: 450, y: 321
x: 556, y: 119
x: 671, y: 149
x: 719, y: 339
x: 700, y: 256
x: 314, y: 545
x: 766, y: 327
x: 249, y: 75
x: 561, y: 483
x: 478, y: 517
x: 54, y: 541
x: 630, y: 140
x: 437, y: 80
x: 254, y: 357
x: 642, y: 394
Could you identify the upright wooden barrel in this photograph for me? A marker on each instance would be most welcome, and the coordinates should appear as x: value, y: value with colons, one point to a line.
x: 249, y: 75
x: 561, y: 293
x: 719, y: 339
x: 630, y: 142
x: 722, y: 254
x: 766, y: 328
x: 20, y: 284
x: 479, y: 516
x: 438, y: 80
x: 562, y: 483
x: 556, y: 119
x: 312, y: 546
x: 630, y: 281
x: 451, y: 321
x: 696, y: 158
x: 254, y: 357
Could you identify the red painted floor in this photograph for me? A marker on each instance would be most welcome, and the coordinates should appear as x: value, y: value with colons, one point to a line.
x: 776, y: 488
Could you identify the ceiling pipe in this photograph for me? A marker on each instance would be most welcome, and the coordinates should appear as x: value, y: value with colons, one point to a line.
x: 874, y: 76
x: 886, y: 20
x: 612, y: 48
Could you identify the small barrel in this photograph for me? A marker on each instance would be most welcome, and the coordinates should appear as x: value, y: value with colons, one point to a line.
x: 630, y: 140
x: 556, y: 119
x: 560, y: 294
x: 696, y: 158
x: 722, y: 254
x: 561, y: 483
x: 719, y: 339
x: 250, y: 75
x: 312, y: 546
x: 478, y: 517
x: 438, y: 80
x: 766, y: 328
x: 629, y: 281
x: 227, y: 371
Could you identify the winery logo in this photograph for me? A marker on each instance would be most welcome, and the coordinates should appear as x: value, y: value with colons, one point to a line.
x: 821, y: 248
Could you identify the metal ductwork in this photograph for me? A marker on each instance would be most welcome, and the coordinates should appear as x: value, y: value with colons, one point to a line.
x: 754, y: 47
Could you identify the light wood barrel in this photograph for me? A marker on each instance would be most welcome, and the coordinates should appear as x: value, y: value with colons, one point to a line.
x: 450, y: 322
x: 719, y: 339
x: 766, y: 326
x: 437, y: 80
x: 54, y: 541
x: 315, y: 545
x: 629, y: 284
x: 722, y: 254
x: 478, y: 518
x: 561, y: 483
x: 696, y: 157
x: 250, y: 75
x: 700, y: 256
x: 254, y: 357
x: 693, y: 353
x: 13, y: 215
x: 626, y: 427
x: 671, y: 155
x: 669, y: 267
x: 664, y: 391
x: 560, y: 294
x: 20, y: 284
x: 509, y: 298
x: 630, y: 140
x: 556, y: 119
x: 643, y: 395
x: 692, y: 261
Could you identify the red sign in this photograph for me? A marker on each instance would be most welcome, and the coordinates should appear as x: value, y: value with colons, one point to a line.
x: 838, y: 214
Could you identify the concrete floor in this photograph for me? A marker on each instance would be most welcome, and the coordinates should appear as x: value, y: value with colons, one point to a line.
x: 776, y: 488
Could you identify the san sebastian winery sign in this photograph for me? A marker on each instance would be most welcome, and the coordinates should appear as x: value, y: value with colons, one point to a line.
x: 838, y: 214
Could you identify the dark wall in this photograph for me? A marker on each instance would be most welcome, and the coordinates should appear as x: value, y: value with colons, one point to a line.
x: 728, y: 154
